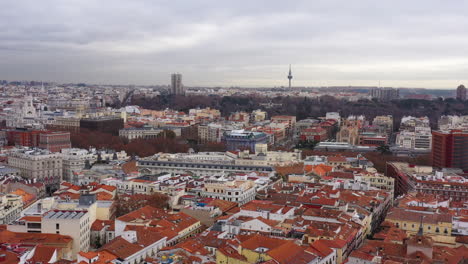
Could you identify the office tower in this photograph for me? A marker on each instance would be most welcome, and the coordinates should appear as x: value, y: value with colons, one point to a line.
x: 461, y: 93
x: 450, y: 149
x: 176, y: 84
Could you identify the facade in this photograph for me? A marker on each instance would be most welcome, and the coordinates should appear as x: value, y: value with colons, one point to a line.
x: 348, y: 134
x: 40, y: 165
x: 241, y: 140
x: 378, y: 181
x: 420, y: 139
x: 385, y: 123
x: 139, y: 132
x: 290, y: 122
x: 410, y: 221
x: 446, y: 185
x: 314, y: 134
x: 385, y: 94
x: 75, y: 224
x: 151, y: 167
x: 450, y: 149
x: 11, y: 206
x: 258, y: 116
x: 177, y: 87
x: 461, y: 93
x: 210, y: 133
x: 415, y: 133
x: 73, y: 161
x: 67, y: 123
x: 54, y: 141
x: 105, y: 124
x: 372, y: 139
x: 235, y: 191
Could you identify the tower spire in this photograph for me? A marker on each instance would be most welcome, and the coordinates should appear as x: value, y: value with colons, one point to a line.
x: 290, y: 76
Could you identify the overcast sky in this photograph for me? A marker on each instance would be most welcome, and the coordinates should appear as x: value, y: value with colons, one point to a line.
x: 417, y: 43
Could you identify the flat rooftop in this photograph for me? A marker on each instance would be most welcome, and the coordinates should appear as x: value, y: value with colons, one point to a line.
x: 64, y: 214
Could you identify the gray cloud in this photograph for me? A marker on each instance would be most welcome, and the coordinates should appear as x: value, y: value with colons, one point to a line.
x: 249, y: 43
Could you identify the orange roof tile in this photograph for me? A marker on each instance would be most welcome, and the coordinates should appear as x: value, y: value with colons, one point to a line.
x: 121, y: 248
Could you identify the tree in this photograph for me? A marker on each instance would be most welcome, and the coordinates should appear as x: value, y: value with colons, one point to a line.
x: 384, y: 149
x: 169, y: 134
x: 307, y: 144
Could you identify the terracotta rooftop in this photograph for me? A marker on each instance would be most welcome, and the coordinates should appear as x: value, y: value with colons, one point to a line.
x: 34, y: 238
x: 401, y: 214
x: 121, y: 248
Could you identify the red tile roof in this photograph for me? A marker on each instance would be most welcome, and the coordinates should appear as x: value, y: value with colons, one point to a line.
x: 121, y: 248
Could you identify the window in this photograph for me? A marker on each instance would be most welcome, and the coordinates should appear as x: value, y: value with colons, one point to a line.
x: 57, y: 226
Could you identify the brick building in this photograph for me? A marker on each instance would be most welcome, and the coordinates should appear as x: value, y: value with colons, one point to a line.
x: 53, y: 141
x: 450, y: 149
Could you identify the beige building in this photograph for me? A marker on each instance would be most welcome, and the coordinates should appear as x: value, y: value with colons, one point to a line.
x: 436, y: 225
x: 11, y: 206
x: 258, y: 115
x: 40, y: 165
x: 384, y: 122
x: 210, y: 133
x: 75, y: 224
x: 238, y: 191
x: 378, y: 180
x: 68, y: 123
x: 348, y: 134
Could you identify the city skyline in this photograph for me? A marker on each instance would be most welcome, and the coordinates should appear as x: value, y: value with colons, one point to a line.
x: 329, y: 43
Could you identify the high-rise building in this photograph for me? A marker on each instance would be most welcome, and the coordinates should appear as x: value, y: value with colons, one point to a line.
x: 461, y: 93
x: 176, y: 84
x: 385, y: 94
x: 450, y: 149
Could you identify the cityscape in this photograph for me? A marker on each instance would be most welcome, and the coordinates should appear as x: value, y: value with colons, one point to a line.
x: 279, y: 166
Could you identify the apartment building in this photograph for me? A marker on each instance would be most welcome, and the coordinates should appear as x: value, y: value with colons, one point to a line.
x: 210, y: 133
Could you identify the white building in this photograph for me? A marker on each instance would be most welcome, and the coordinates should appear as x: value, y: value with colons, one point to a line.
x: 38, y: 164
x: 11, y: 206
x: 75, y: 224
x: 73, y: 161
x: 415, y: 133
x: 132, y: 133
